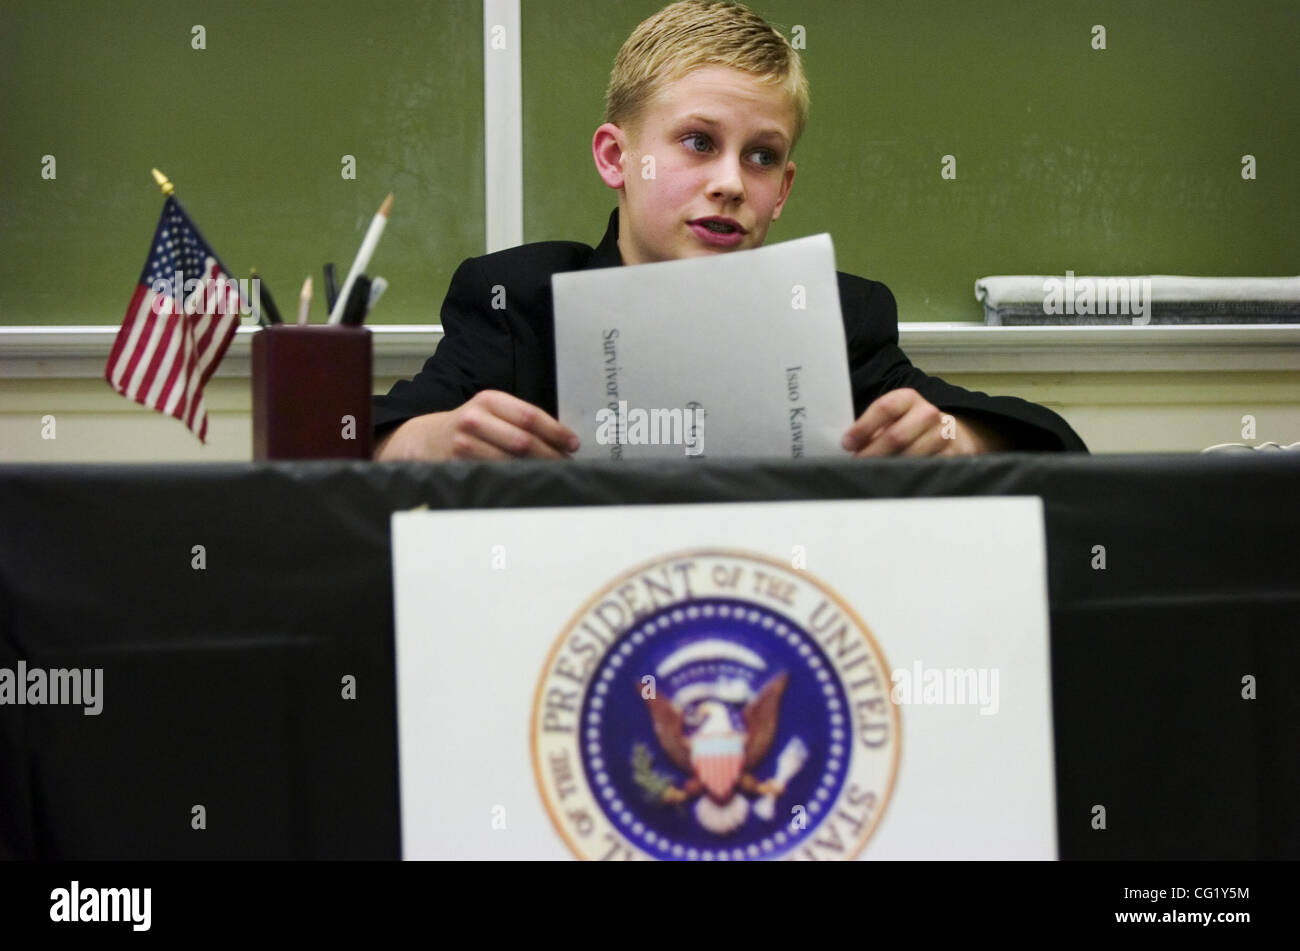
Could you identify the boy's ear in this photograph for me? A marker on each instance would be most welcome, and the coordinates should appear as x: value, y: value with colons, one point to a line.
x: 609, y: 148
x: 787, y: 182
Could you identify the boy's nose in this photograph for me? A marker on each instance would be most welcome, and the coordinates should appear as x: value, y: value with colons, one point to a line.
x: 727, y: 183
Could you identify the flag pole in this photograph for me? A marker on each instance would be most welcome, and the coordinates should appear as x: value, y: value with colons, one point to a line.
x: 163, y: 183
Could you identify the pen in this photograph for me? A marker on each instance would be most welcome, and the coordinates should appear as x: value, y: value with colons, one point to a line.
x: 354, y: 311
x: 368, y: 245
x: 331, y: 286
x: 304, y: 302
x: 377, y: 288
x: 264, y: 299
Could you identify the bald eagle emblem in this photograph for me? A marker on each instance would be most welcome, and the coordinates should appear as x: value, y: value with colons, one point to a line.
x: 717, y: 730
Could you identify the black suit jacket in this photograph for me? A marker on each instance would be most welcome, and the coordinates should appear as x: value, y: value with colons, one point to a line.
x: 512, y: 347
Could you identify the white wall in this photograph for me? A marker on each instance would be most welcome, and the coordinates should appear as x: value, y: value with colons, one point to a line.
x: 1122, y: 390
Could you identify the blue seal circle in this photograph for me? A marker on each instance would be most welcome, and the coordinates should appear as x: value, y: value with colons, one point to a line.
x: 710, y: 657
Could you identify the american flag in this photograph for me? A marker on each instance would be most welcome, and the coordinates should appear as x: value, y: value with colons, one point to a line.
x: 171, y: 342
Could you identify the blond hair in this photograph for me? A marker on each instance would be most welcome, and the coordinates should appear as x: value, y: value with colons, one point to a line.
x: 693, y: 34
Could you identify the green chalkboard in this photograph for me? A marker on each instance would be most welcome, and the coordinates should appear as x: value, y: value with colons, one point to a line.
x: 252, y: 130
x: 1122, y: 160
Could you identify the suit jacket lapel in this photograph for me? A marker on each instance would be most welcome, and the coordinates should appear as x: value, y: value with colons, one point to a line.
x: 606, y: 253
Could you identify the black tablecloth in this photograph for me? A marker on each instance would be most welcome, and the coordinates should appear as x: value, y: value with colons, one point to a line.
x: 222, y: 685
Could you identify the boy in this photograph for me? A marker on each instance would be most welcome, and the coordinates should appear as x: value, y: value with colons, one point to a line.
x: 719, y: 99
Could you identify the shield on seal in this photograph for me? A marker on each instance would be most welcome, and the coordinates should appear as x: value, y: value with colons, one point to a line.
x: 717, y: 758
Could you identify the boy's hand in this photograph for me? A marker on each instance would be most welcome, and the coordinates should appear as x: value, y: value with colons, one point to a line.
x: 490, y: 425
x: 902, y: 422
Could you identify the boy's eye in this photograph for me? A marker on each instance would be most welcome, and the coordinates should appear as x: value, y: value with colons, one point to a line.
x: 699, y: 142
x: 698, y: 137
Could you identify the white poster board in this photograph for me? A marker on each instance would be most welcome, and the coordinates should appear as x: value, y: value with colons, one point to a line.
x: 826, y: 679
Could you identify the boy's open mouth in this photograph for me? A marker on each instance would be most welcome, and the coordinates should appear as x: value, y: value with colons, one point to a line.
x: 718, y: 232
x: 717, y: 225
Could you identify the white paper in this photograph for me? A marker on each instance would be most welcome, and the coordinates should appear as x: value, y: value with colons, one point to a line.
x: 746, y: 348
x: 485, y: 601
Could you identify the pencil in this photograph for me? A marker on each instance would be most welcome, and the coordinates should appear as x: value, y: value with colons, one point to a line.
x: 304, y: 302
x: 359, y: 266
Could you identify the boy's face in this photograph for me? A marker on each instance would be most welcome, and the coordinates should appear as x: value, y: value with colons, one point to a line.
x: 720, y: 143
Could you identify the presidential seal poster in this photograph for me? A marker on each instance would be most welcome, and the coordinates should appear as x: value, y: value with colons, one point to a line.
x: 741, y: 682
x: 679, y: 748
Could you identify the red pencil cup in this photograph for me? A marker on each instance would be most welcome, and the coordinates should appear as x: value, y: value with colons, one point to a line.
x: 311, y: 392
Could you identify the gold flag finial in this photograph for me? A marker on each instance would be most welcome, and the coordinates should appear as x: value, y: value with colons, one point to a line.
x: 166, y: 186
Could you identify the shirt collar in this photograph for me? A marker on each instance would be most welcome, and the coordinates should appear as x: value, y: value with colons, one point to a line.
x: 606, y: 253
